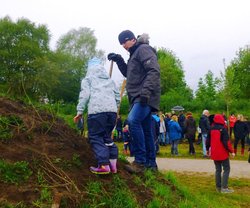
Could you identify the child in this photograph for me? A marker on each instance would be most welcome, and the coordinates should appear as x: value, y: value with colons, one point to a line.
x: 220, y: 147
x: 126, y: 139
x: 119, y: 128
x: 100, y: 95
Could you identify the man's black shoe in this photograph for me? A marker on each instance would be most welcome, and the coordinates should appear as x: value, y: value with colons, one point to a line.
x: 135, y: 167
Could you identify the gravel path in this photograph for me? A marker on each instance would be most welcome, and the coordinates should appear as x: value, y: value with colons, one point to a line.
x: 239, y: 169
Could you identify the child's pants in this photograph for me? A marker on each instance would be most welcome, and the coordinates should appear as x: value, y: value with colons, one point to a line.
x: 100, y: 127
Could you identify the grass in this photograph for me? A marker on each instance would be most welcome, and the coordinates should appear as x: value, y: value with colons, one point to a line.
x: 188, y: 191
x: 119, y: 195
x: 203, y: 193
x: 14, y: 173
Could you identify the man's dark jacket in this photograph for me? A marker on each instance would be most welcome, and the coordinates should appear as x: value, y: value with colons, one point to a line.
x: 143, y: 74
x: 204, y: 124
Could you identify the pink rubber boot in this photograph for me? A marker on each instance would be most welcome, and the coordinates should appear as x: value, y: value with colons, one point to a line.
x: 101, y: 169
x: 113, y: 166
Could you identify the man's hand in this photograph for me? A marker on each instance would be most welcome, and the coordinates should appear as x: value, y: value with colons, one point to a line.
x: 114, y: 57
x: 233, y: 154
x: 76, y: 118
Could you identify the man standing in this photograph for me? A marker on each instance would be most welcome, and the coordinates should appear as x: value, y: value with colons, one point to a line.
x: 143, y: 87
x: 205, y: 127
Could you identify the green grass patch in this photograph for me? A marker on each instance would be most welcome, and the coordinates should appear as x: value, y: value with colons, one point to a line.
x: 166, y: 193
x: 14, y: 173
x: 204, y: 193
x: 118, y: 194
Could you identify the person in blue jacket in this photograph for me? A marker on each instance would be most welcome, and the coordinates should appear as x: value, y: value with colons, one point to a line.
x: 100, y: 94
x: 174, y: 131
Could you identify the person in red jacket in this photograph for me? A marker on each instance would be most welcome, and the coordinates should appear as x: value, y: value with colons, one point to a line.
x: 232, y: 120
x: 219, y: 147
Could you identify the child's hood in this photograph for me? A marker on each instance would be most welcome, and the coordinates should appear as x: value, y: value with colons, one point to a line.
x: 96, y: 69
x: 219, y: 119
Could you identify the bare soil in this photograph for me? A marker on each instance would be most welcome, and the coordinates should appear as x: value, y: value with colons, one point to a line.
x: 42, y: 140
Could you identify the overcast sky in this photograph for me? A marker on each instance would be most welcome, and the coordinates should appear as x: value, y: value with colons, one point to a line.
x: 200, y: 32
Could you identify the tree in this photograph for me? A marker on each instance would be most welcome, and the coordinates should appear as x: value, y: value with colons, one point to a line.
x: 79, y: 43
x: 206, y: 93
x: 173, y: 86
x: 68, y: 86
x: 23, y: 56
x: 238, y: 75
x: 76, y: 47
x: 172, y: 75
x: 235, y: 82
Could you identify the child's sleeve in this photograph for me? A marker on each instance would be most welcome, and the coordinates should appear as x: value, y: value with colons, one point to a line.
x: 84, y: 96
x: 117, y: 95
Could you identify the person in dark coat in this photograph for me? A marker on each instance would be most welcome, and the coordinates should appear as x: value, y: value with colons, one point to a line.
x: 181, y: 121
x: 144, y: 89
x: 204, y: 125
x: 218, y: 147
x: 190, y: 130
x: 166, y: 120
x: 240, y: 133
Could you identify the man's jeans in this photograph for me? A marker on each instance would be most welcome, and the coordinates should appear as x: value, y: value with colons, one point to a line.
x: 222, y: 183
x: 140, y: 126
x: 204, y: 139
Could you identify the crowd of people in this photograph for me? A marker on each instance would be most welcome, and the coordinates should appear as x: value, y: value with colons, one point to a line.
x: 172, y: 128
x: 217, y: 138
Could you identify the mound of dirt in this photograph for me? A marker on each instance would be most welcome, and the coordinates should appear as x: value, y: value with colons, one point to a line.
x: 54, y: 149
